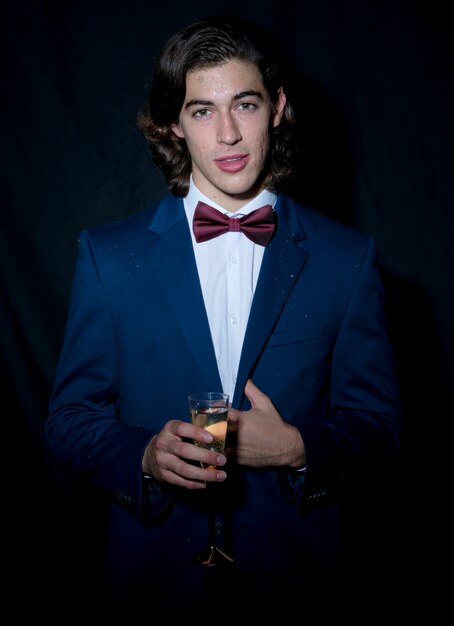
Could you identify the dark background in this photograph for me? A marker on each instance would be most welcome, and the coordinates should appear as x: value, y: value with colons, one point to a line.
x: 374, y: 82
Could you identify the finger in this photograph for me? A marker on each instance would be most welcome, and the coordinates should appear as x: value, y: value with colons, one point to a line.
x: 179, y: 481
x: 192, y: 484
x: 187, y: 459
x: 191, y: 475
x: 186, y: 430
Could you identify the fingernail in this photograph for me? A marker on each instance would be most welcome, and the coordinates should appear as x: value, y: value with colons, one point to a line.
x: 208, y: 437
x: 221, y: 460
x: 221, y: 476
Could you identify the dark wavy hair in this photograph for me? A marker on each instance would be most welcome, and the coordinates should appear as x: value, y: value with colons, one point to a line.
x: 206, y: 43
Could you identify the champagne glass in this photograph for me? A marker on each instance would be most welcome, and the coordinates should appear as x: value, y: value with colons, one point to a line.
x: 209, y: 410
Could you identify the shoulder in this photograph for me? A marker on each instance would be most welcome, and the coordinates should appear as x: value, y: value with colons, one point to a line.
x: 319, y: 229
x: 132, y: 229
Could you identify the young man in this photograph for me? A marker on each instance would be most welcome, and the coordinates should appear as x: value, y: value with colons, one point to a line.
x: 291, y: 325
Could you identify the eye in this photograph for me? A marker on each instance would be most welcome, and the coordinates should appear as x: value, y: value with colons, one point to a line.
x: 247, y: 106
x: 200, y: 113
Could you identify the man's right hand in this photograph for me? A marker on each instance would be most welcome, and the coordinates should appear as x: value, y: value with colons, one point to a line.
x: 172, y: 457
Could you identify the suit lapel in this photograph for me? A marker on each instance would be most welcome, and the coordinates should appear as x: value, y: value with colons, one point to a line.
x: 174, y: 261
x: 276, y: 281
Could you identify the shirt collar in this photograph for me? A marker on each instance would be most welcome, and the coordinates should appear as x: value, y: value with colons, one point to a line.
x: 194, y: 196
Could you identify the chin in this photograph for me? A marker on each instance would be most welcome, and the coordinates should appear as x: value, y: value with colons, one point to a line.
x: 243, y: 188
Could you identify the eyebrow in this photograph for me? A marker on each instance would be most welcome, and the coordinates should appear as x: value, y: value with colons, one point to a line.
x: 237, y: 96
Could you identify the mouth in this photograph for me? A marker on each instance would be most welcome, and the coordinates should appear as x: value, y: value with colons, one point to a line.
x: 233, y: 163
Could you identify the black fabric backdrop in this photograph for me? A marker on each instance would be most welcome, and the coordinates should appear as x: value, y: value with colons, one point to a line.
x: 376, y: 101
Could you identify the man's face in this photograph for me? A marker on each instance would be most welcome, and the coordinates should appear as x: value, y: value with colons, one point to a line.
x: 225, y: 120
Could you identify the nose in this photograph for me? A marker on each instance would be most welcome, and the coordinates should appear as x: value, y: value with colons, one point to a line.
x: 228, y: 131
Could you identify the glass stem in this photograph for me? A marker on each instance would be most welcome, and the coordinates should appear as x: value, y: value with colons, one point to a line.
x: 212, y: 525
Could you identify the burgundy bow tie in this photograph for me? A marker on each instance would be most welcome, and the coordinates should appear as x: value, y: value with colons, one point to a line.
x: 258, y: 226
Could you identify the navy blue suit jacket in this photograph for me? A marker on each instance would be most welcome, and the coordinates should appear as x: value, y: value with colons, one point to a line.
x: 138, y: 342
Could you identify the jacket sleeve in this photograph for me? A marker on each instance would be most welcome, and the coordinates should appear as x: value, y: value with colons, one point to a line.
x: 360, y: 440
x: 83, y: 427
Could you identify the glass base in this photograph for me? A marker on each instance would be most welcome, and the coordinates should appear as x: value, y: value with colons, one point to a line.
x: 213, y: 557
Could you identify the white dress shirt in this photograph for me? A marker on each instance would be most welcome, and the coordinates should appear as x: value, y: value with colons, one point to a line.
x: 228, y: 267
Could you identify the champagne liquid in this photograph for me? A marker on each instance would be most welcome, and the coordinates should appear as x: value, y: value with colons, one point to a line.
x: 215, y: 422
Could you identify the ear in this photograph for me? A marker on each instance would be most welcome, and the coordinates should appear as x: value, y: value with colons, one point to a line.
x: 177, y: 130
x: 278, y: 108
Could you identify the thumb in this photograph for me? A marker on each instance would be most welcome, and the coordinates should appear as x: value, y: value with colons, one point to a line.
x: 253, y: 393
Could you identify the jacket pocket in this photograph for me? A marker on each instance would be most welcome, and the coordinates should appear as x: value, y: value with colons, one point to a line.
x: 297, y: 335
